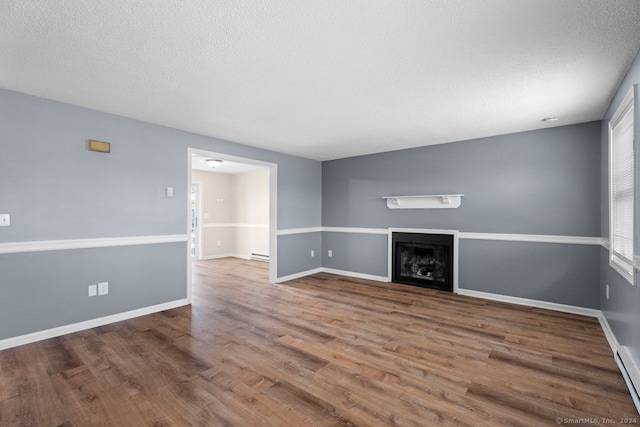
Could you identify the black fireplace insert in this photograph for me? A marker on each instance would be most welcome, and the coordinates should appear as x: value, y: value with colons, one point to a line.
x: 422, y: 259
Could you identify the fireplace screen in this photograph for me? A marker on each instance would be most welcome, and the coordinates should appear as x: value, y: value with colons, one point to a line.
x: 423, y: 260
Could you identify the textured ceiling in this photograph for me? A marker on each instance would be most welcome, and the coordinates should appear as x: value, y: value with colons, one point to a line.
x: 325, y: 79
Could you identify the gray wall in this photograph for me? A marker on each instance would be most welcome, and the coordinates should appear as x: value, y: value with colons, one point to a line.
x: 621, y: 310
x: 54, y: 189
x: 540, y: 182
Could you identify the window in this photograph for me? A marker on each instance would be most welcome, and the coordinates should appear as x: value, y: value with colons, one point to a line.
x: 621, y: 187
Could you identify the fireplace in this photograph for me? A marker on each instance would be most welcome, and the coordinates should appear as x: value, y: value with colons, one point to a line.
x: 423, y: 259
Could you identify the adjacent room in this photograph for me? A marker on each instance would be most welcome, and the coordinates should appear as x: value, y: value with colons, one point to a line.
x: 320, y: 213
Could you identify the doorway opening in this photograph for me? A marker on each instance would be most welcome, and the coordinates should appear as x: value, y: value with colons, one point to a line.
x: 232, y: 209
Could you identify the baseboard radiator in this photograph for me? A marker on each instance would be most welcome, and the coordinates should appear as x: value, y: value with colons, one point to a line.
x: 259, y: 257
x: 628, y: 375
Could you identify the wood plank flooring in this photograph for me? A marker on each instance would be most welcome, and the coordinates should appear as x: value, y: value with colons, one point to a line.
x: 319, y: 351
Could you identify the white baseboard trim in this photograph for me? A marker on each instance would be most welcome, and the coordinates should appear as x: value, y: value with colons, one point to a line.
x: 629, y: 367
x: 608, y: 332
x: 88, y: 324
x: 355, y: 274
x: 59, y: 245
x: 229, y: 255
x: 298, y: 275
x: 630, y: 372
x: 332, y: 271
x: 531, y: 303
x: 590, y: 312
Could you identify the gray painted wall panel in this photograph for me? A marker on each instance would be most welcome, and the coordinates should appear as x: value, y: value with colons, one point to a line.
x: 360, y: 253
x: 297, y: 248
x: 55, y: 189
x: 621, y: 310
x: 557, y: 273
x: 43, y: 290
x: 538, y: 182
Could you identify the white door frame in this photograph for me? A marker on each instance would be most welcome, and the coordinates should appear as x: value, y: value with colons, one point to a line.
x: 273, y: 199
x: 198, y: 255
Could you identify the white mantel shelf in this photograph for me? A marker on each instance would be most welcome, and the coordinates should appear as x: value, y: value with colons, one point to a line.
x: 431, y: 201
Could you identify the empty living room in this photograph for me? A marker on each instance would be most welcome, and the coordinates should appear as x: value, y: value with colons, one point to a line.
x: 319, y: 213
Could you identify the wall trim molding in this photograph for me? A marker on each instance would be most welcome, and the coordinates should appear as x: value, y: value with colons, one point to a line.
x: 533, y: 238
x: 356, y: 230
x: 288, y: 231
x: 88, y: 324
x: 507, y: 237
x: 233, y: 224
x: 590, y: 312
x: 105, y: 242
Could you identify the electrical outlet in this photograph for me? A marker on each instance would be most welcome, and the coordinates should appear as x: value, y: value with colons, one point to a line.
x: 607, y: 290
x: 5, y: 220
x: 330, y: 252
x: 169, y: 191
x: 93, y: 290
x: 219, y: 242
x: 313, y: 253
x: 103, y: 288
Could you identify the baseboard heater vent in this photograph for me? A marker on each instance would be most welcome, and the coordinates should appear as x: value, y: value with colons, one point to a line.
x: 627, y: 379
x: 259, y: 257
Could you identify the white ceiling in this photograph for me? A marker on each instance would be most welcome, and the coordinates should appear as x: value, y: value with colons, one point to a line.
x: 325, y: 79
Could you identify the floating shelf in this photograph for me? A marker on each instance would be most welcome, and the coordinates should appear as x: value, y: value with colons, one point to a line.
x: 432, y: 201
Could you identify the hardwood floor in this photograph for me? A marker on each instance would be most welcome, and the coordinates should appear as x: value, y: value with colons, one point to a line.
x: 319, y: 351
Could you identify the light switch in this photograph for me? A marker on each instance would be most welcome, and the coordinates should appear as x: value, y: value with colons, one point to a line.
x: 169, y: 191
x: 5, y: 220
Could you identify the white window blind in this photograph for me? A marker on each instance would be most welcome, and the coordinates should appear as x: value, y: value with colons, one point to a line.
x: 621, y: 150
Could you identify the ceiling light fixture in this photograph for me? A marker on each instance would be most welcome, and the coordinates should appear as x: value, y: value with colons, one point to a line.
x: 551, y: 119
x: 212, y: 163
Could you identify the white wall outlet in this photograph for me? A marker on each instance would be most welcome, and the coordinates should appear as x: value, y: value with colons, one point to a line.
x: 330, y: 252
x: 103, y: 288
x: 93, y: 290
x: 606, y: 287
x: 313, y: 253
x: 219, y: 242
x: 169, y: 191
x: 5, y: 220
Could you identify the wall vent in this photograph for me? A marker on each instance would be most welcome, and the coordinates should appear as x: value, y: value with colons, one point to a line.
x: 627, y: 379
x: 259, y: 257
